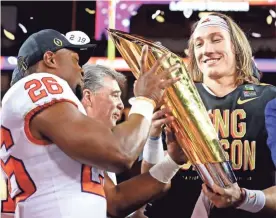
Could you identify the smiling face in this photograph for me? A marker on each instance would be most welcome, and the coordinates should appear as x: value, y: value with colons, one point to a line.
x: 105, y: 104
x: 214, y: 52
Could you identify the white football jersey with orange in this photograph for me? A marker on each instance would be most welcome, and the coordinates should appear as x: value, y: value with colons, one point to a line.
x: 43, y: 181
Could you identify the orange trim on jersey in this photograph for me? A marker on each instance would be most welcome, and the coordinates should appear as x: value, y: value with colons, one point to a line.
x: 34, y: 111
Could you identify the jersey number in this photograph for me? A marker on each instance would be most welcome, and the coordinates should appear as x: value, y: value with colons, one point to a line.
x: 16, y: 172
x: 92, y: 180
x: 50, y: 86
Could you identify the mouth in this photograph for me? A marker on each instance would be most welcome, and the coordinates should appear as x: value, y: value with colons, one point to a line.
x: 116, y: 116
x: 211, y: 60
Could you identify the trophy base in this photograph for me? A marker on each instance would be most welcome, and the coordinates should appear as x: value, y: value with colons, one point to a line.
x: 220, y: 174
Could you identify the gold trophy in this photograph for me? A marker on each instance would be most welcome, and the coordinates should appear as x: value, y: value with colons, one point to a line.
x: 192, y: 125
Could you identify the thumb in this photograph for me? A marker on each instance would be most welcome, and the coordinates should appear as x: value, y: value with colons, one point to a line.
x: 144, y: 57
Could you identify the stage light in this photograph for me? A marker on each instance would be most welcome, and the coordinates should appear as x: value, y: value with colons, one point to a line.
x: 125, y: 22
x: 123, y: 6
x: 104, y: 11
x: 133, y: 13
x: 131, y: 8
x: 12, y: 60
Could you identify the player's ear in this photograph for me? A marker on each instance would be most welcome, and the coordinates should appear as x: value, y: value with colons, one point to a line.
x: 87, y: 98
x: 49, y: 59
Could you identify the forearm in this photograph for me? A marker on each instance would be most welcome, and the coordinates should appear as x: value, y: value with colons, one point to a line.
x: 202, y: 207
x: 133, y: 133
x: 90, y: 141
x: 270, y: 203
x: 131, y: 136
x: 133, y: 194
x: 146, y: 166
x: 152, y: 154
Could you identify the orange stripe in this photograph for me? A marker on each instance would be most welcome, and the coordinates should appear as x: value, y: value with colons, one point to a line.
x: 33, y: 112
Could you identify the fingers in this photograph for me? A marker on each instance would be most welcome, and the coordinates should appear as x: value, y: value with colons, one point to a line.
x: 218, y: 190
x: 169, y: 135
x: 167, y: 83
x: 159, y: 119
x: 143, y: 67
x: 164, y: 74
x: 158, y: 63
x: 159, y: 114
x: 208, y: 192
x: 134, y: 84
x: 159, y: 123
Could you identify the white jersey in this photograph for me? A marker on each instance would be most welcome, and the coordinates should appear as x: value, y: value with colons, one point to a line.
x: 42, y: 180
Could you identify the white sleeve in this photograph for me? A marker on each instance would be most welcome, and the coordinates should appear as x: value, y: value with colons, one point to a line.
x: 202, y: 207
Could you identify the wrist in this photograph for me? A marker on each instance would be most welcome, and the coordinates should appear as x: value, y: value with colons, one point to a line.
x: 178, y: 162
x: 241, y: 199
x: 165, y: 170
x: 154, y: 137
x: 142, y: 106
x: 254, y: 201
x: 153, y: 151
x: 132, y: 100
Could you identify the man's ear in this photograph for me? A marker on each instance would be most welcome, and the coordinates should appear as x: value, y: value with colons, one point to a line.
x: 87, y: 98
x: 49, y: 59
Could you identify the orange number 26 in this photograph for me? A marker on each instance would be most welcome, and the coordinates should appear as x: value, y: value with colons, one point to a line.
x: 50, y: 86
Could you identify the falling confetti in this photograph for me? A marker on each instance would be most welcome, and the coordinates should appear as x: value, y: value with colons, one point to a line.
x: 9, y: 35
x: 89, y: 11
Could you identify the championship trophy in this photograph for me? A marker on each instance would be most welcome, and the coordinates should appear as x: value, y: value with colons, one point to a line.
x: 192, y: 125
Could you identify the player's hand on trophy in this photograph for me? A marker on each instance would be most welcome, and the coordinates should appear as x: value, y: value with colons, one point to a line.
x: 150, y: 84
x: 173, y: 148
x: 159, y: 119
x: 224, y: 197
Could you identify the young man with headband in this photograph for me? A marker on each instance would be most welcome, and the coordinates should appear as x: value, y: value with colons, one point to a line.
x: 221, y: 65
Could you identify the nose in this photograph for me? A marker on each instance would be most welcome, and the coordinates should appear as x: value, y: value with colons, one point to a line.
x: 120, y: 105
x: 207, y: 48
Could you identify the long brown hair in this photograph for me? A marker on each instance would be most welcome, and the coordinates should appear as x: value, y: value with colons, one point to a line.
x: 243, y: 54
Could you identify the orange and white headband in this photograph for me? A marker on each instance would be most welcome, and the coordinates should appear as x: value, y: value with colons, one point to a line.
x: 212, y: 20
